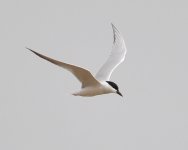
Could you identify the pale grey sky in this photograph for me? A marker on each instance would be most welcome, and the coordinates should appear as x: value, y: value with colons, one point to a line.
x: 37, y: 110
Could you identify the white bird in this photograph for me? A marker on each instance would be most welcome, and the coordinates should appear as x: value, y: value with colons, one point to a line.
x: 100, y: 84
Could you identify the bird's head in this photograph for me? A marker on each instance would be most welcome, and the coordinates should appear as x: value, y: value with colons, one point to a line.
x: 115, y: 87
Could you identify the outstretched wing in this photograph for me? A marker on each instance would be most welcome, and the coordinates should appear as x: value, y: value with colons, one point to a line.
x: 83, y: 75
x: 116, y: 57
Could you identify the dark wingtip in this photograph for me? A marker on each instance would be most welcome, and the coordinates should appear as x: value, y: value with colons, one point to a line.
x: 33, y: 51
x: 114, y: 35
x: 116, y: 32
x: 29, y: 49
x: 112, y: 24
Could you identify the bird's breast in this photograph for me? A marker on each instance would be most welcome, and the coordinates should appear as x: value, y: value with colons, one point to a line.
x: 93, y: 91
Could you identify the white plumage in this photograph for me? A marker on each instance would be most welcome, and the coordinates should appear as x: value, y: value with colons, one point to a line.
x: 99, y: 84
x: 116, y: 57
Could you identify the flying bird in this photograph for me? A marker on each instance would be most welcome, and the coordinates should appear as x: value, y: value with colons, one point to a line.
x: 99, y: 84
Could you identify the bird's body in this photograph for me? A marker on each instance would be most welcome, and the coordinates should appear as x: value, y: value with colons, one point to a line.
x: 102, y: 88
x: 100, y: 84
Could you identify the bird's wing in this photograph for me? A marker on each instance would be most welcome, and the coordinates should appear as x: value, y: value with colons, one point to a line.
x: 83, y: 75
x: 116, y: 57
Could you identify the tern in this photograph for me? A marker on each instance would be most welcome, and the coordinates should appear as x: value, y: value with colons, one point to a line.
x: 100, y: 84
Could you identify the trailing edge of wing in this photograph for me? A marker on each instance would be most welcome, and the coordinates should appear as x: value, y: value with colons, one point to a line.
x: 83, y: 75
x: 116, y: 57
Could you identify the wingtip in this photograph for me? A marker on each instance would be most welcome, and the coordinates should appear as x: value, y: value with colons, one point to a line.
x: 28, y: 48
x: 113, y: 26
x: 114, y: 31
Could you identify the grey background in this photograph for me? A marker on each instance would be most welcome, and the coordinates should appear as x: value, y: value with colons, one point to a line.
x: 37, y: 110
